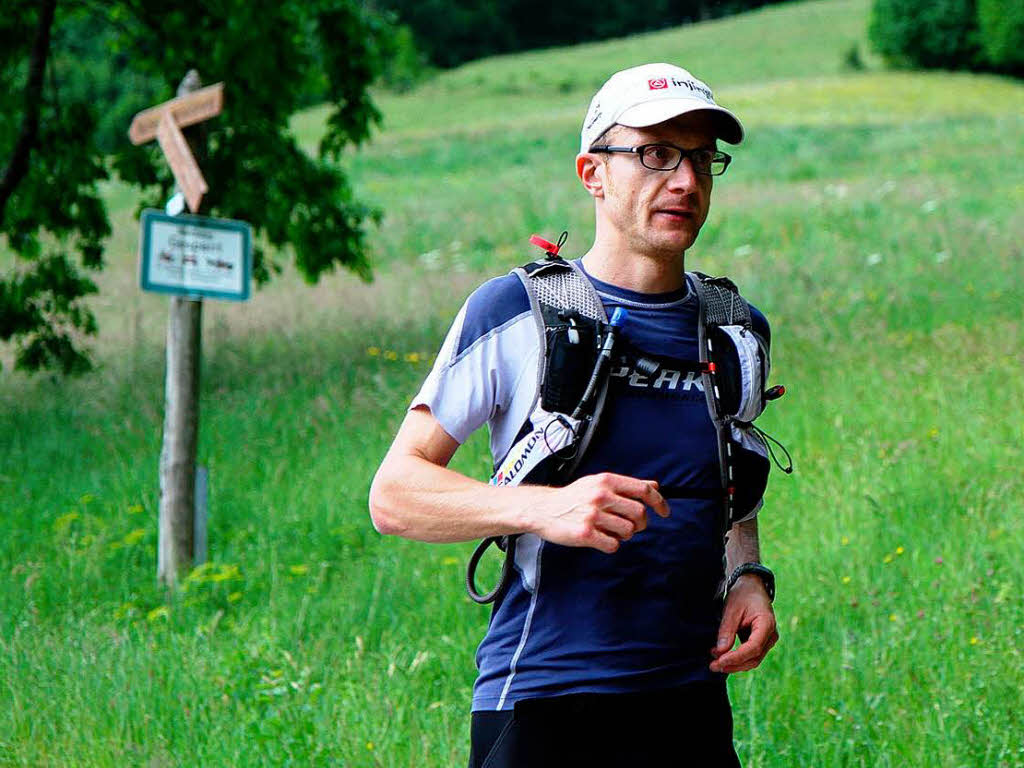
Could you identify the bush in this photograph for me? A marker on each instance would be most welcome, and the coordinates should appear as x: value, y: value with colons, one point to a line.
x: 927, y: 33
x: 1001, y: 26
x: 405, y: 65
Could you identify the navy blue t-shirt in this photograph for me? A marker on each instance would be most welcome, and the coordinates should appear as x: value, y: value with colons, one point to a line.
x: 577, y: 619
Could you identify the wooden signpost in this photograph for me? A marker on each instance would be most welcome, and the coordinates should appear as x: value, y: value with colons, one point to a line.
x: 178, y: 522
x: 164, y: 123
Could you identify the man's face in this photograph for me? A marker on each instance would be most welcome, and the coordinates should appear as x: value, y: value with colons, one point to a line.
x: 656, y: 213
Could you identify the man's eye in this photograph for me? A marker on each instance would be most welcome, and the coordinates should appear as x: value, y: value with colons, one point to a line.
x: 702, y: 158
x: 660, y: 155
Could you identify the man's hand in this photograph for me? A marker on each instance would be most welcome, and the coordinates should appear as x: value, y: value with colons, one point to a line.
x: 598, y: 511
x: 747, y: 610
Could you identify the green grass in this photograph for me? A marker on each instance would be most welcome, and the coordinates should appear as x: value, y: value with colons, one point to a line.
x: 873, y: 216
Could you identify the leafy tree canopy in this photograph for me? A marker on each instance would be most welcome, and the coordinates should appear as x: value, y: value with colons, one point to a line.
x: 271, y: 54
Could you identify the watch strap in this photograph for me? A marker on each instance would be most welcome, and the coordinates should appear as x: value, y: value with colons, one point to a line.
x: 763, y: 572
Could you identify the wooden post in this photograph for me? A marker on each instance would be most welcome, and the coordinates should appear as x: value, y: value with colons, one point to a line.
x: 176, y: 549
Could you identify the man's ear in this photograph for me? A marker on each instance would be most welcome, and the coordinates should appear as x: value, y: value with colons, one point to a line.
x: 591, y: 173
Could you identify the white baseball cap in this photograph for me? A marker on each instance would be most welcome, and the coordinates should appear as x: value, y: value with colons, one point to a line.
x: 651, y: 94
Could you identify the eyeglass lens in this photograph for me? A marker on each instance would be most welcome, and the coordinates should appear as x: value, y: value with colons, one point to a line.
x: 660, y: 157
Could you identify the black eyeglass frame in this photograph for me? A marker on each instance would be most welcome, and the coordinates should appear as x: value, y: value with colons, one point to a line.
x: 716, y: 155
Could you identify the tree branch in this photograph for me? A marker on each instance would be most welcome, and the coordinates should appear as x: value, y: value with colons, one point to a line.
x: 18, y: 165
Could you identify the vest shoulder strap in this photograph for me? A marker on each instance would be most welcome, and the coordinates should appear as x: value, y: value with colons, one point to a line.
x: 720, y: 300
x: 720, y: 304
x: 559, y: 284
x: 554, y: 285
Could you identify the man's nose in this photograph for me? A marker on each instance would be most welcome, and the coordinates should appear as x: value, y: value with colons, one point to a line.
x: 684, y: 177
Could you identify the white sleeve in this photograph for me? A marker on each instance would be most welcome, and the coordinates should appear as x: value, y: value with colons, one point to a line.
x: 485, y: 372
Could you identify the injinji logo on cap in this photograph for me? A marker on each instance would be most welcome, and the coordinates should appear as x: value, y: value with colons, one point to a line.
x: 657, y: 84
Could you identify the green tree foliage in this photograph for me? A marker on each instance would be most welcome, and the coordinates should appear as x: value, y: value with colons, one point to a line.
x: 1002, y: 33
x: 950, y: 34
x: 89, y: 66
x: 49, y: 203
x: 272, y: 55
x: 927, y: 33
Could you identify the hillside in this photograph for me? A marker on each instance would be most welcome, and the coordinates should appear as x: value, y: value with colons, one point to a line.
x: 873, y: 216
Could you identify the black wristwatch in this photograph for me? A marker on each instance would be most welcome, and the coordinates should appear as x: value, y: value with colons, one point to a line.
x: 765, y: 574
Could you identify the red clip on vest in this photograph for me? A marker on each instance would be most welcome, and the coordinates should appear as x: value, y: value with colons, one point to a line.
x: 540, y: 242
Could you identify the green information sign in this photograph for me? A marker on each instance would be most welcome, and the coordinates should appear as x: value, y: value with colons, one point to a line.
x: 195, y: 256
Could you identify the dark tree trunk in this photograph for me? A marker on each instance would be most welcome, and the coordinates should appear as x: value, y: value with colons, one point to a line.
x: 18, y: 165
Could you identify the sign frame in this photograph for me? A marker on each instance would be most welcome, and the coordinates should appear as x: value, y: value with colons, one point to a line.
x: 151, y: 216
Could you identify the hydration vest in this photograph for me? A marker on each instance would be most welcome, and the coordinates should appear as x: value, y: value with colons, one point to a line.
x: 578, y: 346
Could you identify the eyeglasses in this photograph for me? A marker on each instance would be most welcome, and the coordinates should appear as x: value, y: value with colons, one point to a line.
x: 667, y: 157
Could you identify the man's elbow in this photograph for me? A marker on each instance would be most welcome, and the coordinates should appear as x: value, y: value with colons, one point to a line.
x: 382, y: 506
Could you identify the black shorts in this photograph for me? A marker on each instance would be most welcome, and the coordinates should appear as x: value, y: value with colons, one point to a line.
x: 686, y: 726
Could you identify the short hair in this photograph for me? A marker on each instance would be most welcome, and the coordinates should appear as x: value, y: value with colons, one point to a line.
x: 605, y: 136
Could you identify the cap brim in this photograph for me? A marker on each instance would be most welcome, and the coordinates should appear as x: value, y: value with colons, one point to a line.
x: 727, y: 125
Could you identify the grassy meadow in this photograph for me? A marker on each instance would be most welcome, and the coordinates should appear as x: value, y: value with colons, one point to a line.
x: 874, y: 216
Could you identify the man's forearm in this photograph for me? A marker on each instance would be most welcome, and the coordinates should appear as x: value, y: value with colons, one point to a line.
x: 415, y: 495
x: 415, y: 498
x: 742, y: 545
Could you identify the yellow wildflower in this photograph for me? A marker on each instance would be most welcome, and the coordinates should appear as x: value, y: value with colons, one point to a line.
x: 133, y: 537
x: 61, y: 523
x: 373, y: 351
x: 224, y: 573
x: 212, y: 572
x: 160, y: 612
x: 299, y: 570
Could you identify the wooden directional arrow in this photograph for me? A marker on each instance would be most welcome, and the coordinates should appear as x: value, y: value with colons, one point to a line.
x: 186, y: 110
x: 183, y: 162
x: 164, y: 123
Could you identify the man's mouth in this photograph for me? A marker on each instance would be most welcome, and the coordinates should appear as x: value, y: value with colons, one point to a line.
x: 677, y: 213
